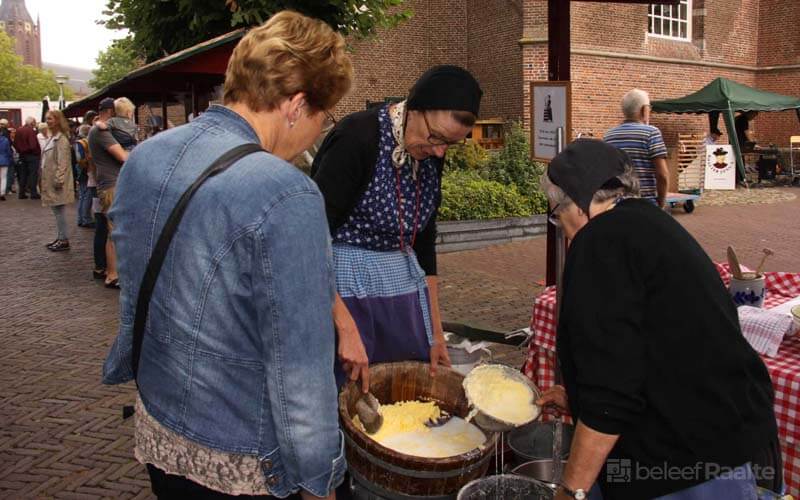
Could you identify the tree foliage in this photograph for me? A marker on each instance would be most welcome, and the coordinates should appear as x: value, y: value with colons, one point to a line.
x: 161, y: 27
x: 21, y: 82
x: 116, y: 61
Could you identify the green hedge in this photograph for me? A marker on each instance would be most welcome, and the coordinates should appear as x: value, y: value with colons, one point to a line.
x: 466, y: 196
x: 478, y: 184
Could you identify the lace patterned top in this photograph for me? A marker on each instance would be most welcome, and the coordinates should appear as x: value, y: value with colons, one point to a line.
x: 230, y: 473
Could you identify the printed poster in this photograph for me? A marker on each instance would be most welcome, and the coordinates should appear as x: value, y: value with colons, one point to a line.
x: 720, y: 167
x: 550, y: 110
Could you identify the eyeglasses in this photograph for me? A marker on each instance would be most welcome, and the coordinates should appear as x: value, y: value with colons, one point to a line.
x: 554, y: 218
x: 440, y: 141
x: 330, y: 120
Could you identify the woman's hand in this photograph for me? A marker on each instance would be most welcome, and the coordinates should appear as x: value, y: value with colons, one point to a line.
x: 554, y: 400
x: 353, y: 356
x: 439, y: 355
x: 351, y: 352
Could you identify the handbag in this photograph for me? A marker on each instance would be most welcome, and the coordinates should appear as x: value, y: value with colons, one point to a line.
x: 162, y: 245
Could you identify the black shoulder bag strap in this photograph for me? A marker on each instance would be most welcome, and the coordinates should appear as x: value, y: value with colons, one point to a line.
x: 160, y: 250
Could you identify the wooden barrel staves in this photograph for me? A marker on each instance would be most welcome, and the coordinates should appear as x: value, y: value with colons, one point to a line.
x: 390, y: 474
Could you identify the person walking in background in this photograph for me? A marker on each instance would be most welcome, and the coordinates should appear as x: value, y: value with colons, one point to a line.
x: 9, y: 184
x: 30, y: 153
x: 644, y: 144
x: 108, y: 157
x: 83, y: 159
x: 6, y: 159
x: 43, y: 134
x: 57, y: 182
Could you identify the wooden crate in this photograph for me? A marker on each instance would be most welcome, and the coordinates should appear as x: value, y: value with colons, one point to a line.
x: 691, y: 162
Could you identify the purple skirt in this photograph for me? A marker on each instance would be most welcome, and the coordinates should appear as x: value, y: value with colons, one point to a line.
x: 387, y: 295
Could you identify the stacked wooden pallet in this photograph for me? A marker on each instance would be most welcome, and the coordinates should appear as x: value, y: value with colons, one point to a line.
x: 691, y: 162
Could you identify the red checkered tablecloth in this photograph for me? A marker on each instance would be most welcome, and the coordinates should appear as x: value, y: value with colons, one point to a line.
x: 784, y: 368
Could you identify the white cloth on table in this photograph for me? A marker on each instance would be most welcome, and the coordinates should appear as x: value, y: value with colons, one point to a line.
x: 764, y: 329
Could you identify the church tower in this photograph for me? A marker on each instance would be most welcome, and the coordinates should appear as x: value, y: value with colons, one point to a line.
x: 18, y: 24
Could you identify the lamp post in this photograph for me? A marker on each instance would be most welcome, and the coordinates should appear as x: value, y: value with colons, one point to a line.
x: 61, y: 80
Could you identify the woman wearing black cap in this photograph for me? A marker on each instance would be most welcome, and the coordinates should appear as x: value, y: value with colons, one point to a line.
x: 380, y: 173
x: 667, y: 394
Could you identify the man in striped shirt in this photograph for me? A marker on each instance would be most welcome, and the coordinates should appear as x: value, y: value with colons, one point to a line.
x: 644, y: 144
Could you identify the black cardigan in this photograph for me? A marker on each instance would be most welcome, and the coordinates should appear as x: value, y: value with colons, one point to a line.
x: 651, y: 349
x: 344, y: 167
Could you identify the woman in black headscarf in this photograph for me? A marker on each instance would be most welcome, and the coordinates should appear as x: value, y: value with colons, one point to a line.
x: 380, y: 173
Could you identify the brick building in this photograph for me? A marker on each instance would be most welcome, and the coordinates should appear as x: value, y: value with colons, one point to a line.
x: 669, y: 52
x: 18, y: 24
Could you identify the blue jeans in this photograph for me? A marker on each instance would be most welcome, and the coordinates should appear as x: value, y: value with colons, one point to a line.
x: 10, y: 178
x: 84, y: 203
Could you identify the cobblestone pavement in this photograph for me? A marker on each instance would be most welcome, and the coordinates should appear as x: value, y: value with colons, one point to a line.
x: 61, y: 432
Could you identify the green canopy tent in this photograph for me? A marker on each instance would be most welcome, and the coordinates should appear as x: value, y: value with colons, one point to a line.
x: 726, y: 96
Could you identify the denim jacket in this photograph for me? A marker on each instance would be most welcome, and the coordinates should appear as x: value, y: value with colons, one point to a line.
x: 6, y: 154
x: 239, y: 344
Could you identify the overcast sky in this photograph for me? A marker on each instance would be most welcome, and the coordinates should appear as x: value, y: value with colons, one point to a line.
x: 70, y: 35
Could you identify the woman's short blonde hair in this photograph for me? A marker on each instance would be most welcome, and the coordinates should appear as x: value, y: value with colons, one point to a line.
x: 288, y: 54
x: 61, y: 121
x: 124, y: 107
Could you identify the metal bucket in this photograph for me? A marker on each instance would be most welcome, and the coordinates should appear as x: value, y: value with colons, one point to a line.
x: 506, y: 487
x: 540, y: 470
x: 535, y: 441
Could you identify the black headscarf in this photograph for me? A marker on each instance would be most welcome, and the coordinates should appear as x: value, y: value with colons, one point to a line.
x: 585, y: 167
x: 446, y: 88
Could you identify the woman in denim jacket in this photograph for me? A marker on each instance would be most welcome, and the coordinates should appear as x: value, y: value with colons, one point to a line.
x: 236, y: 387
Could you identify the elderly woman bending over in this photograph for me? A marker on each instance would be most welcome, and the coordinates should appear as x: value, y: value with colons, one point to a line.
x: 236, y: 387
x: 657, y: 374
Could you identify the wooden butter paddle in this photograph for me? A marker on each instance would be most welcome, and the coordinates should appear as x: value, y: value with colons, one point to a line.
x: 733, y: 262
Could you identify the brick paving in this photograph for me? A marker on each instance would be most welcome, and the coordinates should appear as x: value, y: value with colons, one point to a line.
x: 61, y: 432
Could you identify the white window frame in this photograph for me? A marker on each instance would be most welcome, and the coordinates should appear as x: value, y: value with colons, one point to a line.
x: 670, y: 19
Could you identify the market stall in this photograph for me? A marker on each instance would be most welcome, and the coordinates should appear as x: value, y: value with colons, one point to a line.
x: 783, y: 368
x: 723, y: 96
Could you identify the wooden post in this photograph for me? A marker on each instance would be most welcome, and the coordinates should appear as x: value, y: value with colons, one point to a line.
x: 558, y: 68
x: 558, y: 60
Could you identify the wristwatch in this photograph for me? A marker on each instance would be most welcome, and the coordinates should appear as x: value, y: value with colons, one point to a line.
x: 578, y: 494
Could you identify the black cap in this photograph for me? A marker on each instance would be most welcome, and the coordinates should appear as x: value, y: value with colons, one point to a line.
x: 446, y: 87
x: 105, y: 103
x: 586, y: 166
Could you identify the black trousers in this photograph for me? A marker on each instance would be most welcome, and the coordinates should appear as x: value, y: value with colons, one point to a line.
x: 100, y: 237
x: 28, y: 173
x: 170, y: 487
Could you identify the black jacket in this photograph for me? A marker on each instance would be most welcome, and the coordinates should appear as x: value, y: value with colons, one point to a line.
x: 651, y: 349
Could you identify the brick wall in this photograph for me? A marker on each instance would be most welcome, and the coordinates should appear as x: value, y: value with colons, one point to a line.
x: 775, y: 128
x: 494, y: 55
x: 596, y: 108
x: 743, y: 34
x: 388, y: 64
x: 480, y: 35
x: 779, y: 33
x: 723, y: 31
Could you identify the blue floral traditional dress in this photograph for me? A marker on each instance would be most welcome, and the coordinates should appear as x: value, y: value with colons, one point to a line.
x: 377, y: 273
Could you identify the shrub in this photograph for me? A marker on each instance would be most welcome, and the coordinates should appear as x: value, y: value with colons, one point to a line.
x: 471, y: 157
x: 483, y: 185
x: 513, y: 166
x: 467, y: 196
